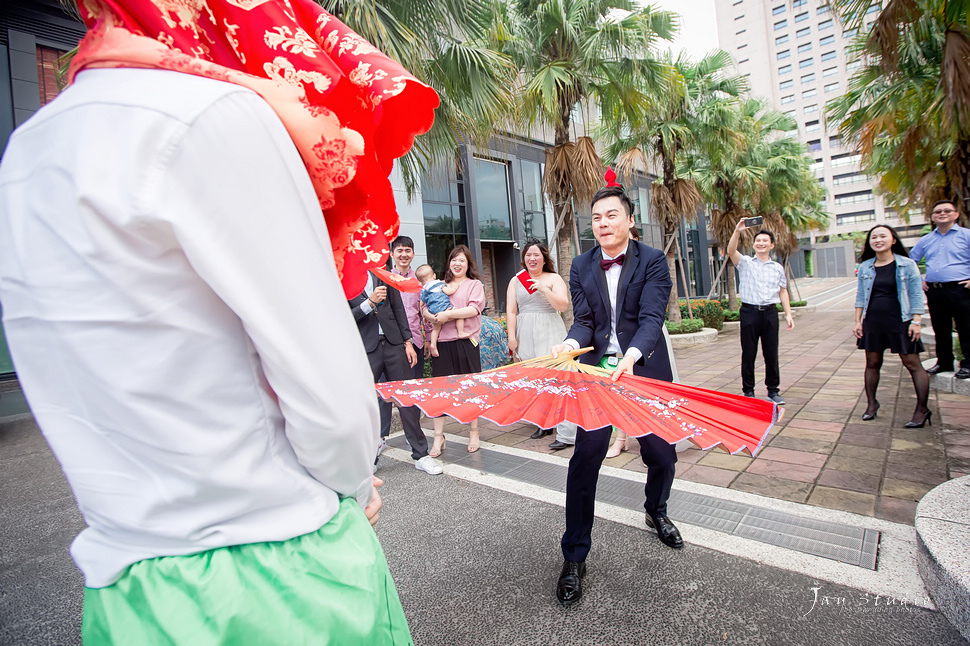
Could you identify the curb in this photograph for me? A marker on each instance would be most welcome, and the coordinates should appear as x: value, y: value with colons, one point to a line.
x: 706, y: 335
x: 942, y: 533
x: 946, y: 382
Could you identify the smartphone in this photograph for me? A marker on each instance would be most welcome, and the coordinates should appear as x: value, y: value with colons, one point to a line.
x: 753, y: 222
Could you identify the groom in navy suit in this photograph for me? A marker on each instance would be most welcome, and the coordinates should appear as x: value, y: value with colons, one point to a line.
x: 619, y: 290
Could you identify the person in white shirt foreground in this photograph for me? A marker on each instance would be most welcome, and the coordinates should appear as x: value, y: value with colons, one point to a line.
x: 171, y: 299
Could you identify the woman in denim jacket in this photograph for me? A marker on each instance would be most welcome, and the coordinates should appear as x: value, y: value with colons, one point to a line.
x: 888, y: 309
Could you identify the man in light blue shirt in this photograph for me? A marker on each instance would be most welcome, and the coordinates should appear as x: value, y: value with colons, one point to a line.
x: 947, y: 284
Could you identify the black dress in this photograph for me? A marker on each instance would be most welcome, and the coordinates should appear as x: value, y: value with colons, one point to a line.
x: 884, y: 328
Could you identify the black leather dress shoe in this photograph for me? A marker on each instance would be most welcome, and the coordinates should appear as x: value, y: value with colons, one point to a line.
x: 667, y: 532
x: 963, y: 373
x: 540, y: 433
x: 937, y: 369
x: 558, y: 446
x: 749, y: 393
x: 569, y: 590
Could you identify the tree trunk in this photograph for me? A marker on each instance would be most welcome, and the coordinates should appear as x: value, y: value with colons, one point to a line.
x: 563, y: 207
x: 732, y: 290
x: 564, y: 248
x: 673, y: 303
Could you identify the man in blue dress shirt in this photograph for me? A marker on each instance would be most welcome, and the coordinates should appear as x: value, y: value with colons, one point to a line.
x: 947, y: 284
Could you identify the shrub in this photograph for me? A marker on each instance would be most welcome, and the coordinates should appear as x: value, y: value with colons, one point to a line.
x: 686, y: 326
x: 732, y: 315
x: 710, y: 312
x: 793, y: 304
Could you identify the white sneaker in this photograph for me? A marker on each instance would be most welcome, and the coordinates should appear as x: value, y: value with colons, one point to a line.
x: 429, y: 465
x: 381, y: 446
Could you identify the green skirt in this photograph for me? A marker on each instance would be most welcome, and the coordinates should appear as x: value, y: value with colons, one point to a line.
x: 331, y: 586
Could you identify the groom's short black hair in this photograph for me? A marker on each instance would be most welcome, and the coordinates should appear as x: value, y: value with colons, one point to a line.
x: 614, y: 191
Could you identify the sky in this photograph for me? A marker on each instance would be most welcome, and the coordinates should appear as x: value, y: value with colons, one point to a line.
x: 698, y: 25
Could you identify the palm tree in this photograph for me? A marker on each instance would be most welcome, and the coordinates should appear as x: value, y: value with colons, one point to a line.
x: 449, y: 46
x: 905, y: 129
x: 664, y: 132
x: 751, y: 166
x: 899, y: 18
x: 574, y: 55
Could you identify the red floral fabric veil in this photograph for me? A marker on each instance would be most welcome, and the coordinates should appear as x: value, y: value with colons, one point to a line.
x: 349, y: 108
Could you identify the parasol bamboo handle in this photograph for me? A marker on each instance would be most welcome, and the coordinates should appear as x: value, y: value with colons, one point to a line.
x: 565, y: 361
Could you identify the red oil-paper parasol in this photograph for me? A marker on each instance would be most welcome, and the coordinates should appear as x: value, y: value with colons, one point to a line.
x: 547, y: 391
x: 397, y: 281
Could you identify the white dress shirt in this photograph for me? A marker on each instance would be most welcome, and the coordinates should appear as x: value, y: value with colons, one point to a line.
x: 612, y: 286
x: 172, y: 305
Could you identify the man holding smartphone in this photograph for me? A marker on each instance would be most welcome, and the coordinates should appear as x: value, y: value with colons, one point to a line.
x: 763, y: 286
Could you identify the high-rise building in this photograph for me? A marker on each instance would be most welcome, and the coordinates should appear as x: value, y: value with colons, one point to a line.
x: 794, y: 54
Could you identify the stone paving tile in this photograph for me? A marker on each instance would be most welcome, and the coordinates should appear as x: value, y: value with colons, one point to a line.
x: 691, y: 455
x: 931, y: 477
x: 816, y: 426
x: 710, y: 475
x: 819, y: 416
x: 847, y: 480
x: 724, y: 461
x: 859, y: 452
x: 855, y: 465
x: 772, y: 487
x: 792, y: 457
x: 784, y: 470
x: 858, y: 503
x: 809, y: 434
x: 896, y: 510
x: 803, y: 444
x: 904, y: 489
x: 871, y: 441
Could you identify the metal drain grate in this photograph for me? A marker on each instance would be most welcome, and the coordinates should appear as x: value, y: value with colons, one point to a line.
x: 843, y: 543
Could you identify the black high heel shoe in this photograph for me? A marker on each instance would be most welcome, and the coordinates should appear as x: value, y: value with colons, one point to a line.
x: 868, y: 416
x: 927, y: 419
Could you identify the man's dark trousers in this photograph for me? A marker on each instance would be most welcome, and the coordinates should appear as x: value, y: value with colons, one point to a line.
x: 949, y: 303
x: 392, y: 361
x: 644, y: 285
x: 417, y: 372
x: 759, y: 322
x: 660, y: 458
x: 386, y: 353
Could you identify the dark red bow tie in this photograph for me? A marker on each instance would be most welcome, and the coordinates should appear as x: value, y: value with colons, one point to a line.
x: 606, y: 263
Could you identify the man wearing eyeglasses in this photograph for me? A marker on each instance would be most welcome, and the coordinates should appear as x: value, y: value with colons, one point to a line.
x: 947, y: 284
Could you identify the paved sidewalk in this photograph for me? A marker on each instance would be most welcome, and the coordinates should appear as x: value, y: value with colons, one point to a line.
x: 821, y: 453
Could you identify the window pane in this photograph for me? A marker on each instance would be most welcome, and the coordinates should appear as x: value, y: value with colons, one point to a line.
x: 777, y: 10
x: 438, y: 218
x: 807, y: 62
x: 801, y: 17
x: 492, y: 199
x: 808, y: 78
x: 784, y: 85
x: 783, y: 54
x: 784, y: 69
x: 803, y: 32
x: 781, y: 24
x: 781, y: 40
x: 531, y: 186
x: 807, y: 94
x: 828, y: 40
x: 804, y: 48
x: 825, y: 24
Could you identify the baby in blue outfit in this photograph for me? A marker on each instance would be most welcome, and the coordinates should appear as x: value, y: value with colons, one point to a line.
x: 435, y: 294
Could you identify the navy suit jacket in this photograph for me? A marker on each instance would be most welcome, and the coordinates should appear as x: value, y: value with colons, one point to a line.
x: 641, y: 304
x: 390, y: 314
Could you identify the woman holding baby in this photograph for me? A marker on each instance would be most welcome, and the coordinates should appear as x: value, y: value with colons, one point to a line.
x: 458, y: 353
